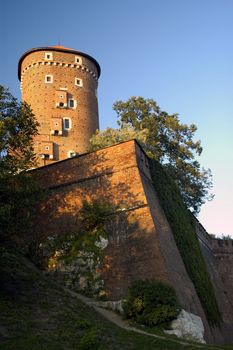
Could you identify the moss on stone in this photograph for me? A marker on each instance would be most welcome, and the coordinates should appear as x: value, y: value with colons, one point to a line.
x: 182, y: 225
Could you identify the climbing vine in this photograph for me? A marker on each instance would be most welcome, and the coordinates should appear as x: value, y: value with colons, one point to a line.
x: 75, y: 257
x: 182, y: 225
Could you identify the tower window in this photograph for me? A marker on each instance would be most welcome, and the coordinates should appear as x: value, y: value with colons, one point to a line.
x: 71, y: 103
x: 67, y: 123
x: 78, y: 59
x: 48, y: 79
x: 78, y: 82
x: 48, y: 56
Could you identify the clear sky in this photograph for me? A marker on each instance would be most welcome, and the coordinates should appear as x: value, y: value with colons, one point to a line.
x: 178, y: 52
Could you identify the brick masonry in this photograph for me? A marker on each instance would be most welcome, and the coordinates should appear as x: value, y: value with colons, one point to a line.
x: 141, y: 241
x: 51, y: 100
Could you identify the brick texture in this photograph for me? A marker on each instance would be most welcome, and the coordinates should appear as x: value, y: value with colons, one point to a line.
x: 141, y: 243
x: 46, y: 99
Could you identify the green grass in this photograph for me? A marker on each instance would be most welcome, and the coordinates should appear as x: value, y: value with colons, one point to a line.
x: 37, y: 314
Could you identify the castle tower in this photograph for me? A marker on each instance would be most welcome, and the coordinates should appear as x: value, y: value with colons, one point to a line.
x: 60, y: 84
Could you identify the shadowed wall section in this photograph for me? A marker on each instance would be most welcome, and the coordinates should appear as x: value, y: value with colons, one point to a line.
x: 141, y: 243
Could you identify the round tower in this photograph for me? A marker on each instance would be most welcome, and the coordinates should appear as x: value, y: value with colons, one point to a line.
x: 60, y: 84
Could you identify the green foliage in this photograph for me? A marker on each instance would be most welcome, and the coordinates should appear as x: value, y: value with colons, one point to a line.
x: 38, y: 314
x: 19, y: 190
x: 171, y: 143
x: 152, y: 303
x: 111, y: 136
x: 17, y: 129
x: 74, y: 258
x: 183, y: 228
x: 93, y: 216
x: 90, y: 341
x: 19, y: 195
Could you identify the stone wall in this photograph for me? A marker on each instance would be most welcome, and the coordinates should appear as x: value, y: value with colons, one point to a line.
x: 218, y: 256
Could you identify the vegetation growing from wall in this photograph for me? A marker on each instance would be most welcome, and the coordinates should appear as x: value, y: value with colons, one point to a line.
x: 183, y: 228
x: 152, y: 303
x: 75, y: 258
x: 38, y: 314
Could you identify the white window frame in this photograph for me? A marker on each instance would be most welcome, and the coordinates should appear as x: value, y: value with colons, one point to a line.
x: 78, y: 82
x: 70, y: 124
x: 78, y: 60
x: 50, y: 54
x: 45, y: 79
x: 75, y: 103
x: 69, y: 154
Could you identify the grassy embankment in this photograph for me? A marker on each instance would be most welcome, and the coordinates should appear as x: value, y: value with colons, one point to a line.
x: 37, y: 314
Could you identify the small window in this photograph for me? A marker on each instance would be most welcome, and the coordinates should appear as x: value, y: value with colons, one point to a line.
x: 71, y: 103
x: 78, y: 59
x: 61, y: 104
x: 78, y: 82
x: 71, y: 154
x: 67, y: 123
x: 46, y: 148
x: 48, y: 56
x: 48, y: 79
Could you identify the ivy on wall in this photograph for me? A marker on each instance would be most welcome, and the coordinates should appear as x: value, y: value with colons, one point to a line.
x: 183, y: 228
x: 74, y: 258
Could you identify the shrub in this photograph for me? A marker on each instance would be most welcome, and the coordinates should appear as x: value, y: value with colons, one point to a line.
x: 151, y: 302
x: 90, y: 341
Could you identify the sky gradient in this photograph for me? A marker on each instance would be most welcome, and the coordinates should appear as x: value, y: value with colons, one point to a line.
x: 178, y: 52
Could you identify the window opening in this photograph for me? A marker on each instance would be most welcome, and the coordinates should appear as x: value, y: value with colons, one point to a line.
x: 48, y: 78
x: 78, y: 82
x: 67, y: 123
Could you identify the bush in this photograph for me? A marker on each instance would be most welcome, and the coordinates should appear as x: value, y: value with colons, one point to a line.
x: 90, y: 341
x: 152, y: 303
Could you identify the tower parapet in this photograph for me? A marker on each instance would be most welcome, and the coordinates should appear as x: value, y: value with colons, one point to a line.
x: 60, y: 84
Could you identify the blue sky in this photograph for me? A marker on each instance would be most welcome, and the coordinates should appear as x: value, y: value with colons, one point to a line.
x: 178, y: 52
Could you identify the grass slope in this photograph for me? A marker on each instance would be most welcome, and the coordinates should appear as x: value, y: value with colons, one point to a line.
x: 36, y: 314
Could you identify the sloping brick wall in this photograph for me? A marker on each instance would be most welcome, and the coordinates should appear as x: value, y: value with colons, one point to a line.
x: 141, y: 243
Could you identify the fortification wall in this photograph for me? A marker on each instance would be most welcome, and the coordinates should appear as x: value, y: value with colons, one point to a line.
x: 133, y: 251
x: 141, y: 243
x: 218, y: 256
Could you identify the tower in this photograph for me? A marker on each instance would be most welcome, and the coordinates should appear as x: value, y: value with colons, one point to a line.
x: 60, y: 84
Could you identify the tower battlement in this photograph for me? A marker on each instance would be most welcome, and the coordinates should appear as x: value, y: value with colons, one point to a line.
x: 60, y: 84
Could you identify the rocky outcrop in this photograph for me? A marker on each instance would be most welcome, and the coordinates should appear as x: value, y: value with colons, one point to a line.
x: 188, y: 326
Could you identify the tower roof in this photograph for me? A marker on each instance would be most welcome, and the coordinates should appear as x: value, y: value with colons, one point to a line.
x: 59, y: 48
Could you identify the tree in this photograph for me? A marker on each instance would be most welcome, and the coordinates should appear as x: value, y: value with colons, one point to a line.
x: 111, y: 136
x: 169, y: 141
x: 17, y: 129
x: 18, y: 189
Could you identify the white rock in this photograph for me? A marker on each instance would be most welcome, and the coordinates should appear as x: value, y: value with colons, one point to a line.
x: 102, y: 243
x: 112, y: 305
x: 188, y: 326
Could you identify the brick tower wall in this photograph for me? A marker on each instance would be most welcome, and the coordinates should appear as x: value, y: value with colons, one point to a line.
x: 61, y: 87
